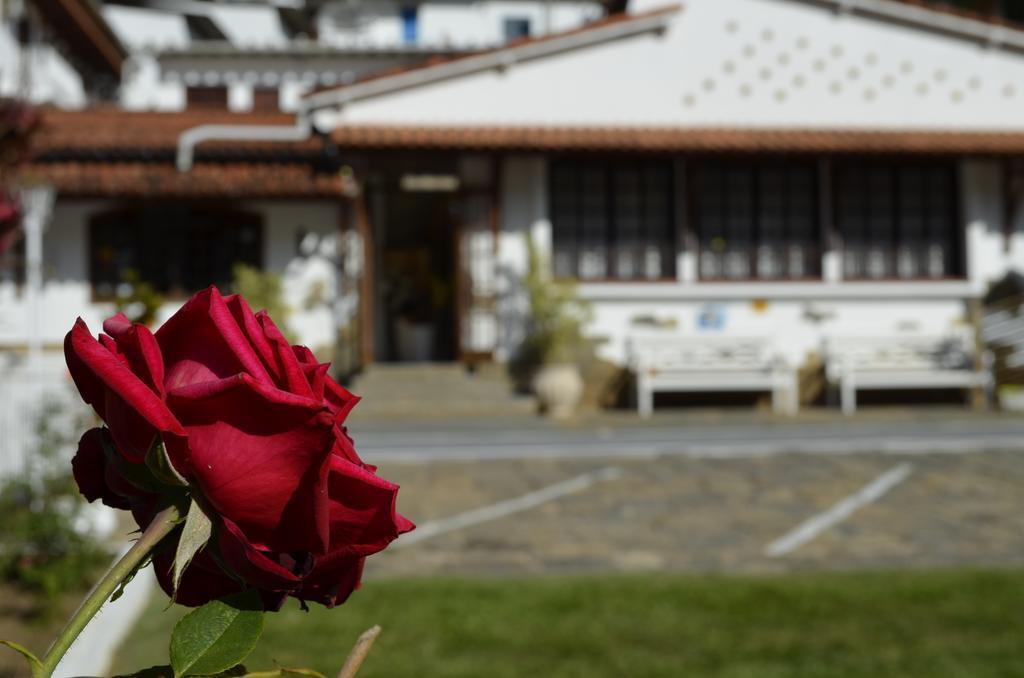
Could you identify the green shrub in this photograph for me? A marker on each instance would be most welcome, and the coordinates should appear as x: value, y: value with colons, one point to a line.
x: 40, y: 550
x: 137, y: 299
x: 264, y: 291
x: 557, y: 315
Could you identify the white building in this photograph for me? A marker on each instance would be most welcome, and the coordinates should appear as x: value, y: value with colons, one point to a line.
x: 789, y: 168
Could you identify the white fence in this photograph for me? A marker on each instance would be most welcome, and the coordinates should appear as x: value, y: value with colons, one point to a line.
x: 38, y: 405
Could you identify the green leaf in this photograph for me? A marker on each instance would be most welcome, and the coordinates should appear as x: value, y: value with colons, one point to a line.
x: 160, y: 465
x: 284, y: 672
x: 194, y: 536
x: 217, y: 636
x: 34, y: 665
x: 166, y: 671
x: 152, y: 672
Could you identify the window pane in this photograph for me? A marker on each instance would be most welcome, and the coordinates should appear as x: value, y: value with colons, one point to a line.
x: 756, y: 221
x: 593, y: 262
x: 177, y: 249
x: 564, y: 220
x: 897, y: 221
x: 612, y: 219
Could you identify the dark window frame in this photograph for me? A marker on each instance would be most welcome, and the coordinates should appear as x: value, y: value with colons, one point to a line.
x: 957, y: 235
x: 754, y: 167
x: 668, y: 243
x: 206, y: 97
x: 266, y: 99
x: 131, y: 218
x: 512, y: 27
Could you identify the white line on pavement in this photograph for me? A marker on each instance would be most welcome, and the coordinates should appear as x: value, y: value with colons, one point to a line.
x: 507, y: 507
x: 814, y: 526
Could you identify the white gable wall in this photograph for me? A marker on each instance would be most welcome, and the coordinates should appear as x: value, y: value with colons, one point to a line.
x: 738, y: 63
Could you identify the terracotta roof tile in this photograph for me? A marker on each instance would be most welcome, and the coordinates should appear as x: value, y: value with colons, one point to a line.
x: 112, y: 130
x: 205, y: 180
x: 671, y: 139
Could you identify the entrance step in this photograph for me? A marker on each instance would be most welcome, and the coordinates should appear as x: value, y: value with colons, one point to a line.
x: 436, y: 391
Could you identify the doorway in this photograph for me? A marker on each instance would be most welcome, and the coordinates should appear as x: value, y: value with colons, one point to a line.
x: 415, y: 277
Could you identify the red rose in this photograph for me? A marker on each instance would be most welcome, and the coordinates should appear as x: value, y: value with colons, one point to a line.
x: 255, y: 426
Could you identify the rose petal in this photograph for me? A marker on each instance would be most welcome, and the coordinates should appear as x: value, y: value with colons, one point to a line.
x: 345, y: 448
x: 333, y: 579
x: 316, y: 375
x: 139, y: 346
x: 89, y: 467
x: 256, y: 567
x: 260, y: 457
x: 295, y: 379
x: 201, y: 582
x: 132, y: 411
x: 339, y: 399
x: 203, y: 342
x: 254, y: 333
x: 362, y: 510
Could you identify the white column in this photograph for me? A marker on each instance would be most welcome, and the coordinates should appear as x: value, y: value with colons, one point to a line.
x: 38, y: 205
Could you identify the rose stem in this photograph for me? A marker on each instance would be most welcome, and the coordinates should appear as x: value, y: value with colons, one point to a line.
x: 160, y: 527
x: 359, y: 652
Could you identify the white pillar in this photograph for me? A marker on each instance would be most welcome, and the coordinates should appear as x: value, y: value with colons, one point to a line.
x: 38, y: 204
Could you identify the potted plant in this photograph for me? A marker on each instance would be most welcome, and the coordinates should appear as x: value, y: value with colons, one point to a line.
x: 554, y: 343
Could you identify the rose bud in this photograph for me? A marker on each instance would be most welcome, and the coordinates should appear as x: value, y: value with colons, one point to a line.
x: 255, y: 428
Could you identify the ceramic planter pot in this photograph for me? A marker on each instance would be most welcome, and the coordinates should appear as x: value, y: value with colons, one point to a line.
x: 559, y: 388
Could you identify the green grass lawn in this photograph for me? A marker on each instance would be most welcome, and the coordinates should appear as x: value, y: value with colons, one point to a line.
x: 950, y: 623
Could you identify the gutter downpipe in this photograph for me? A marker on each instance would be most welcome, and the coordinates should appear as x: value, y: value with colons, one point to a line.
x: 190, y: 138
x: 655, y: 21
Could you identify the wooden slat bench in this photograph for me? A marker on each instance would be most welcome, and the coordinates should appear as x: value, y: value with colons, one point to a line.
x: 707, y: 364
x: 900, y: 362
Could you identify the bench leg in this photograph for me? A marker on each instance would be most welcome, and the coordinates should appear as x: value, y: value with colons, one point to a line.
x: 785, y: 398
x: 644, y: 397
x: 794, y: 394
x: 847, y: 395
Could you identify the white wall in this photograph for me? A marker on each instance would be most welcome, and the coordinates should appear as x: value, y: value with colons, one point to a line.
x: 50, y: 79
x: 67, y: 294
x: 523, y: 210
x: 738, y: 63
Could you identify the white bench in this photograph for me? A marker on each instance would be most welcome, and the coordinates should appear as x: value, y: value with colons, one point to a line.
x: 704, y: 364
x: 900, y: 362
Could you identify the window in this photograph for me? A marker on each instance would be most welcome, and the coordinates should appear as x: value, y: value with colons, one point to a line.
x: 265, y: 99
x: 177, y: 249
x: 613, y: 219
x: 898, y: 221
x: 410, y: 24
x: 12, y: 260
x: 516, y: 27
x: 206, y: 97
x: 756, y: 221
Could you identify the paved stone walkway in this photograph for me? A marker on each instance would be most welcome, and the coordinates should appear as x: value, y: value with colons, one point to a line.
x: 714, y: 515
